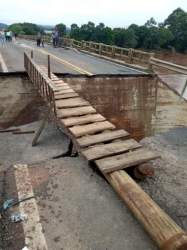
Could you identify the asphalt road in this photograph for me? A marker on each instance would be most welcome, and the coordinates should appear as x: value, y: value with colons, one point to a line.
x: 62, y: 60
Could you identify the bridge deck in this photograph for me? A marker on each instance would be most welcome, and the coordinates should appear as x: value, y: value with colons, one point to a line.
x: 62, y: 60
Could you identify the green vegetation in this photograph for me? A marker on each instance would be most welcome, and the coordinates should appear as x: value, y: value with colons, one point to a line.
x: 152, y: 35
x: 172, y: 33
x: 25, y: 28
x: 61, y: 29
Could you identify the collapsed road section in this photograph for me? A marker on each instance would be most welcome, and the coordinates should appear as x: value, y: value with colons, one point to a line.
x: 92, y: 112
x: 111, y: 158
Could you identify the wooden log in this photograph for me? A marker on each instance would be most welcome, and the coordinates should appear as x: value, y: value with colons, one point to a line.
x: 68, y: 112
x: 103, y: 137
x: 163, y: 230
x: 80, y: 120
x: 122, y: 161
x: 143, y: 170
x: 78, y: 131
x: 113, y: 148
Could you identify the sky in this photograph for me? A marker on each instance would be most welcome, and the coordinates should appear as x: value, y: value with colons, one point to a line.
x: 114, y: 13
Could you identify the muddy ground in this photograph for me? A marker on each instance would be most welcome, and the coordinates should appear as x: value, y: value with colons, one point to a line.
x: 78, y: 209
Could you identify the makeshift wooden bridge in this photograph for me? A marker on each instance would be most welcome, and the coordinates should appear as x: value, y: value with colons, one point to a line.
x: 109, y: 148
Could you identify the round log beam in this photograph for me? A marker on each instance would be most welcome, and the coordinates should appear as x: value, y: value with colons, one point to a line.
x: 144, y: 170
x: 163, y: 230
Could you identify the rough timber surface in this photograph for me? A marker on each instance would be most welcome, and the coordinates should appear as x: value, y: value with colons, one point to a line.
x: 78, y: 131
x: 79, y: 120
x: 122, y: 161
x: 100, y: 151
x: 71, y: 102
x: 102, y: 137
x: 69, y: 112
x: 65, y: 96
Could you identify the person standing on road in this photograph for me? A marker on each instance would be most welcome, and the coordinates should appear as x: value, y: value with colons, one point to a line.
x: 38, y: 39
x: 2, y: 37
x: 53, y: 39
x: 56, y: 38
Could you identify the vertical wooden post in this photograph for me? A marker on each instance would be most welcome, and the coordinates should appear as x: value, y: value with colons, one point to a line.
x: 150, y: 66
x: 49, y: 66
x: 113, y: 51
x: 130, y: 55
x: 32, y: 54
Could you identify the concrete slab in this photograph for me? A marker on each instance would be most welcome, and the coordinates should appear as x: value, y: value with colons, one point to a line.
x: 175, y: 82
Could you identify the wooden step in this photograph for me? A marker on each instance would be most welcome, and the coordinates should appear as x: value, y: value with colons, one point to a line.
x: 69, y: 112
x: 59, y: 84
x: 71, y: 102
x: 100, y: 151
x: 103, y: 137
x: 122, y: 161
x: 65, y: 91
x: 61, y: 88
x: 80, y: 120
x: 78, y: 131
x: 65, y: 96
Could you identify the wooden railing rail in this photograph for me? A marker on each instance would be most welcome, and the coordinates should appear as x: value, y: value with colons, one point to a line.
x: 43, y: 84
x: 168, y: 65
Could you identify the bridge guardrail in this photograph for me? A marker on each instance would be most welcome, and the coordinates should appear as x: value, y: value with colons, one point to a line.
x: 126, y: 54
x: 168, y: 65
x: 131, y: 56
x: 43, y: 84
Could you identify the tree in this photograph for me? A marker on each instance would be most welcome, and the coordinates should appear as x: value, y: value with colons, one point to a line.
x: 151, y: 23
x: 177, y: 24
x: 61, y: 29
x: 25, y: 28
x: 75, y: 31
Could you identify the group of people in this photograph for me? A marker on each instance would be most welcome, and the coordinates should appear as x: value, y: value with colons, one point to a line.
x: 54, y: 39
x: 7, y: 36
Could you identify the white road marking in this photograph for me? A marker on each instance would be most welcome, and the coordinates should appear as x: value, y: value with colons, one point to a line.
x: 3, y: 64
x: 34, y: 237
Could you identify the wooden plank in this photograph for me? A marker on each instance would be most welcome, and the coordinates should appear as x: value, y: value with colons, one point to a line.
x: 65, y: 91
x: 71, y: 102
x: 61, y: 88
x: 65, y: 96
x: 72, y: 121
x: 103, y: 137
x: 118, y: 162
x: 59, y: 83
x: 78, y: 131
x: 100, y: 151
x: 62, y: 113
